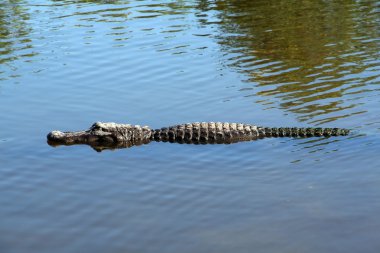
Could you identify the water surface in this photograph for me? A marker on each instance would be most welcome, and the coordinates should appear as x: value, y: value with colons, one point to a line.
x: 67, y: 64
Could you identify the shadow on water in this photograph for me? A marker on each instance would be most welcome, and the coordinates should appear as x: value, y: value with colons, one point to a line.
x: 315, y: 59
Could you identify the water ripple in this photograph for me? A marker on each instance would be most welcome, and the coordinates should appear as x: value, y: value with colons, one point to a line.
x: 321, y: 65
x: 65, y: 64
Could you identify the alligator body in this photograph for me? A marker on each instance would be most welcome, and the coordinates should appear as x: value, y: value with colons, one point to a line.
x: 111, y: 135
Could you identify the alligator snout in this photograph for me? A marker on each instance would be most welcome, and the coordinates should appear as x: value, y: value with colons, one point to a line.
x: 68, y: 138
x: 56, y: 136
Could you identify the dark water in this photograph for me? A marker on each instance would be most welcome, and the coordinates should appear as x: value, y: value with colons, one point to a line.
x: 67, y: 64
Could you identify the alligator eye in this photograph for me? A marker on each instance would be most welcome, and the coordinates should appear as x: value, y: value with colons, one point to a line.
x: 98, y: 128
x: 95, y: 126
x: 103, y: 129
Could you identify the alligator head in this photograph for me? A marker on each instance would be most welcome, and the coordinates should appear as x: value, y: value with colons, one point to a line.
x: 103, y: 135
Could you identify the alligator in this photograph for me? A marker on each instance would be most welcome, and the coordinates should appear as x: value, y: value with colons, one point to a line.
x: 111, y: 135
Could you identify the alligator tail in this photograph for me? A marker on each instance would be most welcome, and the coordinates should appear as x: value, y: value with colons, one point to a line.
x: 300, y: 132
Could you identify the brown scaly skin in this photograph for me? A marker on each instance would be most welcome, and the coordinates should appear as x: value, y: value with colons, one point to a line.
x: 111, y: 135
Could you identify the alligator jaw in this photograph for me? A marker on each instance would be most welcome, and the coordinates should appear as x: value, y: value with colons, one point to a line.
x: 56, y: 138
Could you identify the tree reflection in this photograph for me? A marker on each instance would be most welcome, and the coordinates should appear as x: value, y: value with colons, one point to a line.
x: 303, y: 55
x: 14, y: 31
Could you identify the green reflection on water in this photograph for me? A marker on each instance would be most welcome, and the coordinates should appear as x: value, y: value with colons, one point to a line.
x: 303, y: 55
x: 14, y: 31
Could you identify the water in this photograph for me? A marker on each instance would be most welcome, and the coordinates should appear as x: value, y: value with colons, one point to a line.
x: 67, y: 64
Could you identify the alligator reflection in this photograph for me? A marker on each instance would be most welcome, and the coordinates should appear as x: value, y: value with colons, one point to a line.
x: 99, y: 147
x: 304, y: 57
x: 103, y: 146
